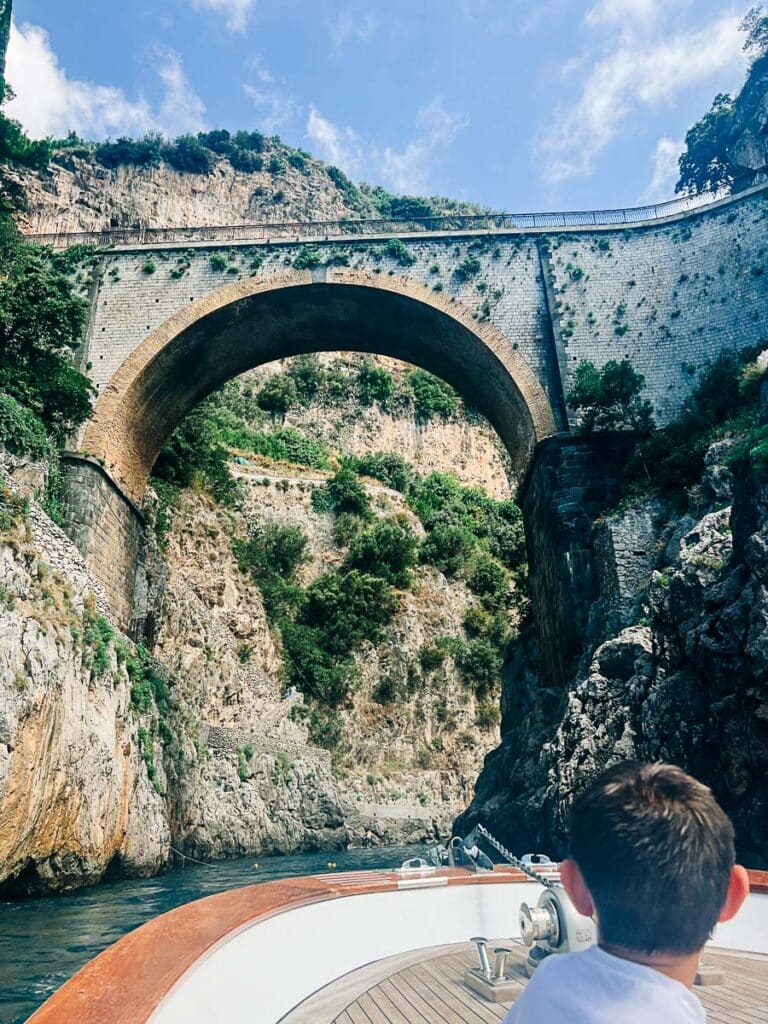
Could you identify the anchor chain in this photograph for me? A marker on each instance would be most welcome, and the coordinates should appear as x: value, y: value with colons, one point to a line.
x: 513, y: 860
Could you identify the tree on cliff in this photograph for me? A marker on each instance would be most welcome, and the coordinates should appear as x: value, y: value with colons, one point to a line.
x: 706, y: 163
x: 41, y: 317
x: 609, y: 399
x: 6, y: 9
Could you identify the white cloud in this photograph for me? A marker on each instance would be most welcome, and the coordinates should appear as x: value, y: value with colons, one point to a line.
x: 275, y: 106
x: 349, y: 26
x: 636, y: 71
x: 408, y: 169
x: 622, y: 11
x: 235, y: 12
x: 665, y: 172
x: 49, y: 103
x: 339, y: 146
x: 181, y: 109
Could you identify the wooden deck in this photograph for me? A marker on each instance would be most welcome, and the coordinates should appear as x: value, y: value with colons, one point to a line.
x: 426, y: 987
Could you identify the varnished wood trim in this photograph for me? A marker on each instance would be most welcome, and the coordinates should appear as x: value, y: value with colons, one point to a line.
x: 125, y: 983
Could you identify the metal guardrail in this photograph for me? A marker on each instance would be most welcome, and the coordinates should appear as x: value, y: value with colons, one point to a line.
x: 329, y: 229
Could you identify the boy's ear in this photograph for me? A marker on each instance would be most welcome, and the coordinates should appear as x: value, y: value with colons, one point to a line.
x: 576, y: 887
x: 738, y: 890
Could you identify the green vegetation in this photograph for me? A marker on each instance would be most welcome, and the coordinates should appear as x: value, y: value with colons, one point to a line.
x: 389, y: 468
x: 723, y: 404
x: 196, y: 455
x: 97, y: 636
x: 189, y: 154
x: 347, y: 494
x: 21, y: 432
x: 705, y: 163
x: 609, y: 399
x: 148, y: 688
x: 41, y: 323
x: 375, y: 384
x: 399, y: 252
x: 278, y: 394
x: 431, y: 396
x: 286, y: 444
x: 308, y: 377
x: 339, y: 611
x: 273, y: 554
x: 469, y: 267
x: 306, y: 258
x: 388, y: 550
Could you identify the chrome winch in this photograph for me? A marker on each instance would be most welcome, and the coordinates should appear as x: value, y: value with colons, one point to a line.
x: 554, y: 925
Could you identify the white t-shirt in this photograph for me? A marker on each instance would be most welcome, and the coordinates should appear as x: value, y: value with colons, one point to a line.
x: 595, y: 987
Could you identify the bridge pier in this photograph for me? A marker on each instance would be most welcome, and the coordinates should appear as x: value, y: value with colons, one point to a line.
x: 571, y: 480
x: 118, y: 546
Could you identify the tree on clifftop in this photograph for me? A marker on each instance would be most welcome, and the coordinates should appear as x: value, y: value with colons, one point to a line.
x: 6, y: 7
x: 706, y: 163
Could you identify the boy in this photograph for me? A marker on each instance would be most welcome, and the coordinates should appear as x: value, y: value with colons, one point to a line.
x: 652, y: 860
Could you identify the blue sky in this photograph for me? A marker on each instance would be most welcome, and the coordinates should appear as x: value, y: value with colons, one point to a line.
x: 517, y: 105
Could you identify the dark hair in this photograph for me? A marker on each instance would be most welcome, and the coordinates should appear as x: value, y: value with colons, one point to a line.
x: 656, y: 851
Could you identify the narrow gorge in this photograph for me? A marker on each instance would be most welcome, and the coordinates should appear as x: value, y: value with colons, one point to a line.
x: 359, y: 609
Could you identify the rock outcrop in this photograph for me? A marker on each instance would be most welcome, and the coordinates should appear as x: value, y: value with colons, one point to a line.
x: 78, y: 194
x: 674, y: 668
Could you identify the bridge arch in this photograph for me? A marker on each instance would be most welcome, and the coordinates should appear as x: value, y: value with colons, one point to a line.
x: 326, y: 309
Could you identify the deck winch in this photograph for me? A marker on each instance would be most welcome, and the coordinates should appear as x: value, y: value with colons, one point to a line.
x: 554, y: 925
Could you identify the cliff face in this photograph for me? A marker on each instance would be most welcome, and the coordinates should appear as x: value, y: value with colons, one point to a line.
x: 99, y: 772
x: 77, y: 194
x: 74, y: 791
x: 405, y: 766
x: 747, y: 148
x: 674, y: 669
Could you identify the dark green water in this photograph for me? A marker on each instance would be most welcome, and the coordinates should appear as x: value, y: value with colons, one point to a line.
x: 43, y: 942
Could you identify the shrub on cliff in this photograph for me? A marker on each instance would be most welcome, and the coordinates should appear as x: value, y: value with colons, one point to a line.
x: 272, y: 555
x: 346, y: 494
x: 278, y: 394
x: 21, y: 432
x: 308, y: 377
x: 431, y: 396
x: 374, y: 383
x: 388, y: 550
x: 339, y: 611
x: 348, y: 607
x: 195, y: 455
x: 490, y: 582
x: 449, y: 547
x: 389, y: 468
x: 723, y: 402
x: 609, y: 399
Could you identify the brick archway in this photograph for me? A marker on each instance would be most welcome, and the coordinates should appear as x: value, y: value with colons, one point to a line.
x: 327, y: 309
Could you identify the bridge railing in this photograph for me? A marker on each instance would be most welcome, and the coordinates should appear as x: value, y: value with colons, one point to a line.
x: 297, y: 230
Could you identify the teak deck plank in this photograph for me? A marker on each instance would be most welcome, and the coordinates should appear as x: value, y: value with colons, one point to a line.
x: 430, y: 989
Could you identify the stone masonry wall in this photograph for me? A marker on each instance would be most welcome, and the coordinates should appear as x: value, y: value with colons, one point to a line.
x: 667, y: 296
x: 108, y: 532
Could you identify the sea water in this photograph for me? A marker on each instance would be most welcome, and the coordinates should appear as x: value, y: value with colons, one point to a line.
x: 44, y: 941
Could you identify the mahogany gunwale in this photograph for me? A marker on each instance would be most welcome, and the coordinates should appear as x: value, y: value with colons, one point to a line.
x: 127, y: 981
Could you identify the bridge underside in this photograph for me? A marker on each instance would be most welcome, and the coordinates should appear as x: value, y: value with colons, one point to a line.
x: 251, y: 323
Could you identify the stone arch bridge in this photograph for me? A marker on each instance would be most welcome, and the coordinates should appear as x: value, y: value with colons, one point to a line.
x: 503, y: 314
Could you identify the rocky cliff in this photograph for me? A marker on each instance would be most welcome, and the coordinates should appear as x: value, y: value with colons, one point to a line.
x: 116, y: 761
x: 674, y: 668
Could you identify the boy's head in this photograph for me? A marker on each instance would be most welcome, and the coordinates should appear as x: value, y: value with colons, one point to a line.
x: 655, y: 852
